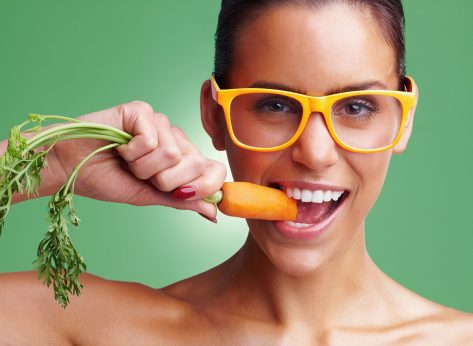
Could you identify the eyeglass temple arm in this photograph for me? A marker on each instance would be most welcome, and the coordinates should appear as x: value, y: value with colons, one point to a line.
x: 214, y: 87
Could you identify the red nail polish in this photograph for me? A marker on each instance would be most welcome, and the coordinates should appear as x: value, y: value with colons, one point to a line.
x: 208, y: 218
x: 184, y: 192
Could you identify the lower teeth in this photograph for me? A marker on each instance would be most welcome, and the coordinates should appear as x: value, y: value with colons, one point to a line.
x: 297, y: 225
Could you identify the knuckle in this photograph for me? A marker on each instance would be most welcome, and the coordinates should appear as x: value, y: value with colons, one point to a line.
x: 134, y: 109
x: 129, y: 112
x: 122, y: 110
x: 178, y: 131
x: 172, y: 154
x: 135, y: 169
x: 162, y: 118
x: 161, y: 182
x: 199, y: 163
x: 141, y: 106
x: 220, y: 167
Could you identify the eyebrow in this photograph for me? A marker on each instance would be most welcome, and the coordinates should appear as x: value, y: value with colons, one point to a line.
x: 374, y: 84
x: 277, y: 86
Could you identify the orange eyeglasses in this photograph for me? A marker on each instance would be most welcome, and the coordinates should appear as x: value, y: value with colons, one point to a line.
x: 362, y: 121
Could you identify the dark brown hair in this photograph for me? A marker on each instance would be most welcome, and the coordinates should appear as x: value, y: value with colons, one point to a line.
x: 235, y: 14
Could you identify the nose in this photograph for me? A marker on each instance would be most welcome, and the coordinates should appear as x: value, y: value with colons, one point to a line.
x: 315, y: 148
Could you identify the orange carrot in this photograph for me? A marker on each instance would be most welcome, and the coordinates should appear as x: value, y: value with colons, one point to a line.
x: 253, y: 201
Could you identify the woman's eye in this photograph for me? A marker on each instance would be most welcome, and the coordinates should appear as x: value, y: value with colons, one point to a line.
x: 356, y: 109
x: 276, y: 105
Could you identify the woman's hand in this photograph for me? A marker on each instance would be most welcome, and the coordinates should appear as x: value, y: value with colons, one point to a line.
x: 151, y: 169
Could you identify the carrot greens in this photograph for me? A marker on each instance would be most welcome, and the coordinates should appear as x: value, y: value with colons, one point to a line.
x: 58, y: 262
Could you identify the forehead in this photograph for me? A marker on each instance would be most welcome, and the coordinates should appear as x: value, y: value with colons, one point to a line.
x: 313, y: 49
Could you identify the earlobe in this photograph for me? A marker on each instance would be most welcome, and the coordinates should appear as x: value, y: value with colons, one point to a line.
x: 211, y: 116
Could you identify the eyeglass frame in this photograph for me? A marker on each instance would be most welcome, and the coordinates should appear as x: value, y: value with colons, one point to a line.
x: 316, y: 104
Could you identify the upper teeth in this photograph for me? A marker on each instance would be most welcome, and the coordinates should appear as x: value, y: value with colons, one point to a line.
x: 317, y: 196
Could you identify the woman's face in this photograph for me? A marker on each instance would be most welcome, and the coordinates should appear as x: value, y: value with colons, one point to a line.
x: 314, y: 51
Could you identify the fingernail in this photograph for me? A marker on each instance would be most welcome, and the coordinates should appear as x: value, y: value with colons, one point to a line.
x: 184, y: 192
x: 208, y: 218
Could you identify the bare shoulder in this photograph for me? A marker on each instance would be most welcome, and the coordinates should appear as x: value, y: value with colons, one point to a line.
x: 105, y: 309
x: 418, y: 320
x: 457, y: 326
x: 443, y: 326
x: 25, y: 302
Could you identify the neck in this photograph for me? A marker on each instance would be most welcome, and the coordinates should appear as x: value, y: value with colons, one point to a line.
x: 332, y: 295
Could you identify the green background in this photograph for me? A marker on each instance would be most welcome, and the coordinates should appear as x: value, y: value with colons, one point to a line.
x: 75, y: 57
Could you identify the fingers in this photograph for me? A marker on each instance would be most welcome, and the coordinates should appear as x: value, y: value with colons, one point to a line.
x: 189, y: 168
x: 210, y: 181
x: 151, y: 196
x: 141, y: 193
x: 162, y: 155
x: 139, y: 120
x: 167, y: 153
x: 193, y: 192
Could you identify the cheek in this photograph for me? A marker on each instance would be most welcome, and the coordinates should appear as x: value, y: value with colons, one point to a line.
x: 248, y: 165
x: 371, y: 171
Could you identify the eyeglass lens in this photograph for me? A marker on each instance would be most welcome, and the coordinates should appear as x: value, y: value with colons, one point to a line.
x: 267, y: 120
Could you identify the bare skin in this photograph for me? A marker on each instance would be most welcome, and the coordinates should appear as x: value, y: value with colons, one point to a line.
x: 216, y: 307
x: 277, y: 291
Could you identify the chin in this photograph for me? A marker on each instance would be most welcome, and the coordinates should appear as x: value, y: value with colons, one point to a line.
x: 296, y: 261
x: 293, y: 258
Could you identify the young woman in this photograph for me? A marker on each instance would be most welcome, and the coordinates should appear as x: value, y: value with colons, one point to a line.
x: 318, y: 103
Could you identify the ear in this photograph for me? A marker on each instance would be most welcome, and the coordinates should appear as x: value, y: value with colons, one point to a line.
x: 212, y: 117
x: 402, y: 144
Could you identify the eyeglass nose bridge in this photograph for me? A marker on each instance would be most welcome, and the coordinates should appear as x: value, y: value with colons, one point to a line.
x: 318, y: 104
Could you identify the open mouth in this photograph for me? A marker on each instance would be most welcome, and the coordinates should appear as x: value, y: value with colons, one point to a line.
x: 313, y: 206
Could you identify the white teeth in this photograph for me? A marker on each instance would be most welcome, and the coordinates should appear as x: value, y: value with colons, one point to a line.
x: 289, y: 193
x: 336, y: 195
x: 306, y: 196
x: 317, y: 196
x: 297, y: 225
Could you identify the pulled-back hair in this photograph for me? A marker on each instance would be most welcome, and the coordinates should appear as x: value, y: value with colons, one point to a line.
x: 236, y: 14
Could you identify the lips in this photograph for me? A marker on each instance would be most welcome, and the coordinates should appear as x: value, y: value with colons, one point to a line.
x: 316, y: 204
